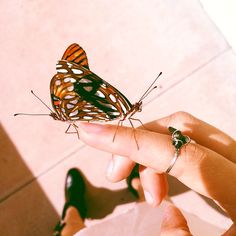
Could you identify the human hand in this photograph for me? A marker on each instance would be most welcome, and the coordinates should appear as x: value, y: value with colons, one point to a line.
x: 208, y: 167
x: 174, y: 223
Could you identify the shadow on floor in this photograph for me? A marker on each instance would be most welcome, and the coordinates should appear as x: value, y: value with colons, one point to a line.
x: 102, y: 201
x: 176, y: 188
x: 25, y: 208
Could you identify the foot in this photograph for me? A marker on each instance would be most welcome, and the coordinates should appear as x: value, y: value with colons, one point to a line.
x: 74, y: 200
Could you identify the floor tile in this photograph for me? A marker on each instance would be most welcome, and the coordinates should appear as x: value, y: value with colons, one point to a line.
x: 28, y: 212
x: 209, y: 94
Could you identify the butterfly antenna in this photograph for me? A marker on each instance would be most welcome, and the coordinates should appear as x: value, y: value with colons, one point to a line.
x: 33, y: 114
x: 150, y: 88
x: 41, y: 101
x: 29, y: 114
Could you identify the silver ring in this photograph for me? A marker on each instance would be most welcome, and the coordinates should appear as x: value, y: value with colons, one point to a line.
x: 174, y: 159
x: 178, y: 141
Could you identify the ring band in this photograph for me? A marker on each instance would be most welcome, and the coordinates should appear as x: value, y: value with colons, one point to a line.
x: 178, y: 141
x: 174, y: 159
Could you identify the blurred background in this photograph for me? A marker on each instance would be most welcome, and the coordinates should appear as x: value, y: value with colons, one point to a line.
x: 127, y: 43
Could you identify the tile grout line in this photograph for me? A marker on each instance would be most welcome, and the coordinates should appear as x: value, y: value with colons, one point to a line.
x: 214, y: 22
x: 40, y: 175
x: 189, y: 75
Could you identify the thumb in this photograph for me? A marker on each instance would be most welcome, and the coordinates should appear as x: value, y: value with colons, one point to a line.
x: 174, y: 223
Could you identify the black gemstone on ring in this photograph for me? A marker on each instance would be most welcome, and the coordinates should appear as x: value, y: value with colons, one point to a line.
x: 178, y: 139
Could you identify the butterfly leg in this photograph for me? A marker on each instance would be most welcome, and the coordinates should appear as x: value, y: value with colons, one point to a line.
x: 68, y: 129
x: 72, y: 132
x: 120, y: 123
x: 76, y: 129
x: 130, y: 121
x: 142, y: 124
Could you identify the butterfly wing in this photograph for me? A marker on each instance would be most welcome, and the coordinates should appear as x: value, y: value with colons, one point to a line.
x: 75, y: 53
x: 79, y: 94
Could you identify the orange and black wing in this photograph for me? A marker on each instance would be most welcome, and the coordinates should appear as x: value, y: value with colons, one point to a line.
x: 79, y: 94
x: 75, y: 53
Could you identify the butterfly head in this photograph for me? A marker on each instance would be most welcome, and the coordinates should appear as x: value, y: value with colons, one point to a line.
x: 138, y: 106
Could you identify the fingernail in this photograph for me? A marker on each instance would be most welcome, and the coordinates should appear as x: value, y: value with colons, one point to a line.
x: 148, y: 197
x: 91, y: 128
x: 110, y: 168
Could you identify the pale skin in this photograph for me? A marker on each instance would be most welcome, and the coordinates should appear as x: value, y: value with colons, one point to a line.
x: 207, y: 166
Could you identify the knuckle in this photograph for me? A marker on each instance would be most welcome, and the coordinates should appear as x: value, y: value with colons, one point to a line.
x: 181, y: 117
x: 191, y: 158
x: 194, y: 155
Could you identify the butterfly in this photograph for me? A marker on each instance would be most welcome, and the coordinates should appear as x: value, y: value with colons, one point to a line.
x: 78, y: 94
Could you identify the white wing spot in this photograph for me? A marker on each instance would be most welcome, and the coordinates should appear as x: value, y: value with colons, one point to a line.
x: 72, y: 80
x: 112, y: 97
x: 71, y: 88
x: 111, y: 106
x: 100, y: 94
x: 88, y: 117
x: 74, y: 113
x: 63, y: 110
x: 92, y: 113
x: 115, y: 113
x: 67, y: 80
x: 123, y: 108
x: 58, y: 82
x: 88, y: 105
x: 107, y: 105
x: 63, y: 71
x: 103, y: 85
x: 69, y: 64
x: 86, y: 110
x: 85, y: 81
x: 77, y: 71
x: 88, y: 88
x: 74, y: 101
x: 69, y: 106
x: 69, y: 97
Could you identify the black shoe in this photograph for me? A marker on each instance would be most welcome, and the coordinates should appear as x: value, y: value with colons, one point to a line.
x: 74, y: 196
x: 74, y: 192
x: 134, y: 174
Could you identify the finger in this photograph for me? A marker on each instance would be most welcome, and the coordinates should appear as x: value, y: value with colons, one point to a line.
x: 199, y: 168
x: 231, y: 231
x: 203, y: 133
x: 154, y: 185
x: 174, y: 223
x: 101, y: 136
x: 119, y: 168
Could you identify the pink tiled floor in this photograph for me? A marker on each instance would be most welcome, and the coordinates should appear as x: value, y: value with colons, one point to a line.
x: 127, y: 44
